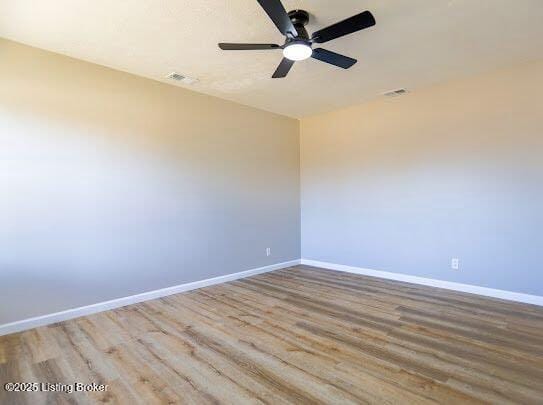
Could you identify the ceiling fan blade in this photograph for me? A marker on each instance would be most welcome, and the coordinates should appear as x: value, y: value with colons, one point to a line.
x: 333, y: 58
x: 352, y: 24
x: 279, y: 16
x: 283, y: 68
x: 246, y: 47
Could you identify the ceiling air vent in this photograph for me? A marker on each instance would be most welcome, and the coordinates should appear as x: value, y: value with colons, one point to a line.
x: 395, y: 93
x: 175, y: 76
x: 181, y: 78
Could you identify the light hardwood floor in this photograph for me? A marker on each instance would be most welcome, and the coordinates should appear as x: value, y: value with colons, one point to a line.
x: 298, y: 335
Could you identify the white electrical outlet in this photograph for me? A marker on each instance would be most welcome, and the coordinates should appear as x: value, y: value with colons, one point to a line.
x: 268, y: 251
x: 455, y: 263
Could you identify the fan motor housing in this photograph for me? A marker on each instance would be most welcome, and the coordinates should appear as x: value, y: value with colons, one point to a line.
x: 299, y: 19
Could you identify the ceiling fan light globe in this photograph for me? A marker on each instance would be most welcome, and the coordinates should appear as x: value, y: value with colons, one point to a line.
x: 297, y: 51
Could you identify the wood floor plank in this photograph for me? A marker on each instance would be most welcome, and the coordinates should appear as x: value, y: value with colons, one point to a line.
x: 296, y: 335
x: 433, y: 356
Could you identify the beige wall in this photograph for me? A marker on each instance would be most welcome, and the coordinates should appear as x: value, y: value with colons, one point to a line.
x: 455, y: 170
x: 113, y: 185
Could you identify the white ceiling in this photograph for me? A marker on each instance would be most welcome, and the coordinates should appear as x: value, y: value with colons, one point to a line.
x: 415, y: 43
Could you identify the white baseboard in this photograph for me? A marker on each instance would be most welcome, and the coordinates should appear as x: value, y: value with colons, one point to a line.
x: 31, y: 323
x: 449, y: 285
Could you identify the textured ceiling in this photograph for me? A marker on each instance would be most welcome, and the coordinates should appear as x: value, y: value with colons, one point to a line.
x: 415, y: 43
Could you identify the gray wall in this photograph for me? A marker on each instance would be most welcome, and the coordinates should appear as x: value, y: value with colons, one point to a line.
x: 406, y: 184
x: 113, y: 185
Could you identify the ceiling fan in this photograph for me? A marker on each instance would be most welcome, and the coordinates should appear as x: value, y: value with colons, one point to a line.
x: 298, y: 43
